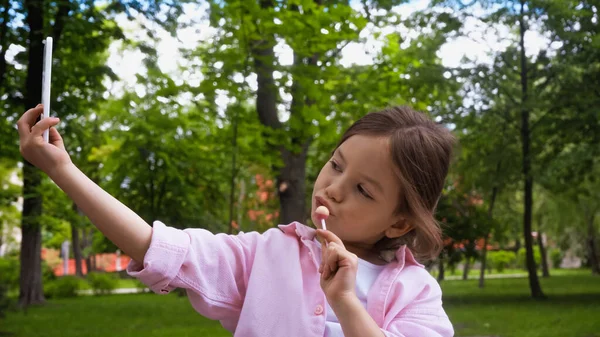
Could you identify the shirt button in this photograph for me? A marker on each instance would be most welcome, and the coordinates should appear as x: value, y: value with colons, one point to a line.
x: 318, y: 310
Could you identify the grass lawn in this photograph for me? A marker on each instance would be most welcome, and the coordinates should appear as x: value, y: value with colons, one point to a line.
x: 474, y: 273
x: 122, y: 283
x: 505, y: 309
x: 112, y: 316
x: 502, y: 309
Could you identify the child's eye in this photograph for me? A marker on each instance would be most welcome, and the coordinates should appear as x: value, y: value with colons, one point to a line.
x: 335, y: 166
x: 363, y: 191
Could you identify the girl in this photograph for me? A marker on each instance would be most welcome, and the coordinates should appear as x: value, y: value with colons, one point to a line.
x: 381, y: 187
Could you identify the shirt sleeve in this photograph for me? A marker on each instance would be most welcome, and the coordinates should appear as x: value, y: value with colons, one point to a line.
x: 422, y: 317
x: 214, y: 268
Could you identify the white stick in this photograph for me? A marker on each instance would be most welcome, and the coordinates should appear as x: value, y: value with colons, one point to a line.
x: 324, y: 228
x: 323, y: 224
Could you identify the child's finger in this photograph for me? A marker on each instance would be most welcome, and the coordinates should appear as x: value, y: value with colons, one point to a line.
x: 55, y: 139
x: 330, y: 237
x: 43, y: 125
x: 323, y: 250
x: 324, y: 254
x: 28, y: 119
x: 333, y: 254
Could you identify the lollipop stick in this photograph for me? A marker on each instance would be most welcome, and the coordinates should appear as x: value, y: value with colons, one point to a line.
x: 323, y: 224
x: 324, y: 228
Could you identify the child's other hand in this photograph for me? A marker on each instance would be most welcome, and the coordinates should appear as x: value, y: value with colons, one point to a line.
x: 338, y: 270
x: 46, y: 156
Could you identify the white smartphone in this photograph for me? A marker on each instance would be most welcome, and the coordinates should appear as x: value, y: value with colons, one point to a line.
x: 46, y: 76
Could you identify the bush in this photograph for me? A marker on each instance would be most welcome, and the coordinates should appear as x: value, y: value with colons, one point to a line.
x: 9, y: 273
x: 62, y: 287
x: 521, y: 257
x: 102, y: 283
x: 556, y: 255
x: 9, y: 281
x: 502, y: 259
x: 47, y: 273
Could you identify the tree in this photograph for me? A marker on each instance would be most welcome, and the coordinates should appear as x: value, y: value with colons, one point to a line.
x: 572, y: 126
x: 572, y: 177
x: 69, y: 23
x: 533, y: 79
x: 301, y: 100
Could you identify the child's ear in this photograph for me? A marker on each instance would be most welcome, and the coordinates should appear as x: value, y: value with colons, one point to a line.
x: 400, y: 228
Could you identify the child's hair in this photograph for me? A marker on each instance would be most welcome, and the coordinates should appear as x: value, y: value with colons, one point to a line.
x: 421, y: 150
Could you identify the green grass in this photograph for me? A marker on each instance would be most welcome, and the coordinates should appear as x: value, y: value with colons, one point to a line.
x: 122, y: 283
x: 474, y: 273
x: 502, y: 309
x: 114, y: 315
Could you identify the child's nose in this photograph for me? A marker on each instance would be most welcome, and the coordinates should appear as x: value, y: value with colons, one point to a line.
x: 334, y: 192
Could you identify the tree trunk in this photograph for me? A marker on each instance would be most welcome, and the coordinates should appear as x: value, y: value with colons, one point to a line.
x: 544, y: 255
x: 240, y: 208
x: 88, y: 264
x: 466, y: 268
x: 534, y: 284
x: 441, y: 270
x: 487, y: 236
x: 483, y: 261
x: 291, y: 178
x: 592, y: 247
x: 234, y: 169
x: 31, y: 288
x: 76, y: 245
x: 3, y: 41
x: 293, y: 175
x: 76, y: 250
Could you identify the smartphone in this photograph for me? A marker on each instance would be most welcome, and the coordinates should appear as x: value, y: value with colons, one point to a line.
x: 46, y: 76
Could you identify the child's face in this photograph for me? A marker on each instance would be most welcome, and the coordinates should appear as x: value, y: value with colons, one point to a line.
x: 361, y: 190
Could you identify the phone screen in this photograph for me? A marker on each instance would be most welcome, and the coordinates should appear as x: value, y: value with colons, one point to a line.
x: 46, y: 76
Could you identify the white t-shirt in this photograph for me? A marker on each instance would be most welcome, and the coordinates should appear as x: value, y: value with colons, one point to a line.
x: 366, y: 275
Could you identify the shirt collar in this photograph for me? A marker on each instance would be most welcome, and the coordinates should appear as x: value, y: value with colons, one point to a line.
x: 308, y: 233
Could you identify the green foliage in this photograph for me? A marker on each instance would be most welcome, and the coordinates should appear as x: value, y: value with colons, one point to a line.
x: 9, y: 272
x: 521, y: 257
x: 9, y: 282
x: 9, y: 193
x: 165, y: 147
x: 10, y: 269
x: 556, y: 256
x: 63, y: 287
x: 499, y: 260
x: 102, y: 283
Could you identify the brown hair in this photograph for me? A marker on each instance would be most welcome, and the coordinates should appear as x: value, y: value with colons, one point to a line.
x: 421, y: 150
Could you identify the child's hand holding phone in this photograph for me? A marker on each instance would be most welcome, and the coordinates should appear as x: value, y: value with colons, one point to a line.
x: 47, y: 156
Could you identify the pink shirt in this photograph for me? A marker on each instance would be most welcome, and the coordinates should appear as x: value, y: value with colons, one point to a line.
x: 268, y: 284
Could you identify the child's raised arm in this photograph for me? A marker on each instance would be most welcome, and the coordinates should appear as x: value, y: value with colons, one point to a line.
x: 119, y: 223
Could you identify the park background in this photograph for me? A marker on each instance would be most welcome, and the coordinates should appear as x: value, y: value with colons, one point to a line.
x: 219, y: 114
